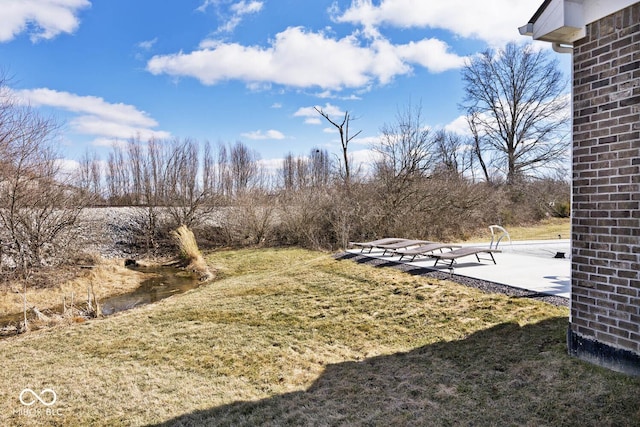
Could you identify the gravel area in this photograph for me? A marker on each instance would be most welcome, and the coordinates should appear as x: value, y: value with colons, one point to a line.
x: 111, y: 231
x: 118, y: 232
x: 483, y: 285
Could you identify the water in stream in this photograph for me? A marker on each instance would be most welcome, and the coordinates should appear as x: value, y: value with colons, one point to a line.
x: 166, y: 281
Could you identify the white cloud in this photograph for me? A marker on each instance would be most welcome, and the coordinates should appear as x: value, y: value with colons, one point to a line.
x: 494, y: 21
x: 87, y: 104
x: 147, y: 44
x: 258, y: 134
x: 363, y: 159
x: 203, y: 7
x: 312, y: 121
x: 305, y: 59
x: 42, y: 19
x: 95, y: 116
x: 244, y: 7
x: 328, y: 108
x: 432, y: 54
x: 458, y: 126
x: 271, y: 166
x: 235, y: 13
x: 109, y: 142
x: 311, y: 115
x: 366, y: 140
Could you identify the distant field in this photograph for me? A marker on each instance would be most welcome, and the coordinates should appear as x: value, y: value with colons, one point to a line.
x: 549, y: 229
x: 294, y: 337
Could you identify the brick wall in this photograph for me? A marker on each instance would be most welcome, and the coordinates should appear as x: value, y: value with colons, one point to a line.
x: 605, y: 295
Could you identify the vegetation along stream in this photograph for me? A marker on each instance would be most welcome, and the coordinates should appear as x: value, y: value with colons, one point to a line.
x: 162, y: 283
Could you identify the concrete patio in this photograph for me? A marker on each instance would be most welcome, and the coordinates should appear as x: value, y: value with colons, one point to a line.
x: 529, y: 265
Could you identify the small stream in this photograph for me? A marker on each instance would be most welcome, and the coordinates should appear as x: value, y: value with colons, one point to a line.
x: 164, y: 282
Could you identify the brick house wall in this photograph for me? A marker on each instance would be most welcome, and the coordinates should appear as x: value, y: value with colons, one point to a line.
x: 605, y: 294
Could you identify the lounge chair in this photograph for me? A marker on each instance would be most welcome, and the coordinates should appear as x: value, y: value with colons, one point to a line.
x: 497, y: 234
x: 402, y: 244
x: 372, y: 244
x: 423, y: 250
x: 462, y: 252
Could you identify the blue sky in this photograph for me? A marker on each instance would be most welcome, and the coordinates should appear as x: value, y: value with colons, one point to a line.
x: 250, y: 70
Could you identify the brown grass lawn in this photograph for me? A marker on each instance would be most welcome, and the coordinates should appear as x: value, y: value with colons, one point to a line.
x: 294, y: 337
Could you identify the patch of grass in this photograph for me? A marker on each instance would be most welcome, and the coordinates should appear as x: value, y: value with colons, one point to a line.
x: 294, y: 337
x: 549, y: 229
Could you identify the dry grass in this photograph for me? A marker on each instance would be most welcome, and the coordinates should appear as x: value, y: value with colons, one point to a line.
x: 190, y: 254
x: 294, y: 337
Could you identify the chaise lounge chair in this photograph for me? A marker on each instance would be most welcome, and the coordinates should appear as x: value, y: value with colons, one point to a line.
x: 462, y: 252
x: 402, y: 244
x: 374, y: 243
x: 423, y: 250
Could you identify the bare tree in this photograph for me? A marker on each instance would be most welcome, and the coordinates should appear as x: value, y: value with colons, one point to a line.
x: 242, y: 167
x: 320, y: 165
x: 299, y: 172
x: 345, y: 138
x: 405, y: 150
x: 478, y: 145
x: 209, y: 174
x: 117, y: 177
x: 38, y: 210
x: 453, y: 156
x: 136, y: 158
x: 90, y: 177
x: 289, y: 172
x: 187, y: 196
x: 519, y: 107
x: 225, y: 181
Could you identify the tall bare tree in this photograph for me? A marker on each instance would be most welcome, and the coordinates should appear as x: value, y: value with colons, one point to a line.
x: 117, y: 177
x: 90, y: 177
x: 518, y: 101
x: 243, y: 165
x: 301, y: 172
x: 406, y: 159
x: 406, y: 149
x: 345, y: 138
x: 186, y: 194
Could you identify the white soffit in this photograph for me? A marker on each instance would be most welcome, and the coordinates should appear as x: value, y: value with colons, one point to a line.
x: 564, y: 21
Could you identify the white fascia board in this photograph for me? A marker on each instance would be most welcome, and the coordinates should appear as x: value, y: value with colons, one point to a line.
x: 561, y: 22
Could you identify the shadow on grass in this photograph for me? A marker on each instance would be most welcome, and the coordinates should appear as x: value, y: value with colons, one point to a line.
x: 505, y: 375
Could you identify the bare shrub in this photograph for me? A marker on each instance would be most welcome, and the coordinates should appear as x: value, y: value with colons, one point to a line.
x: 304, y: 219
x: 39, y: 210
x: 250, y: 220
